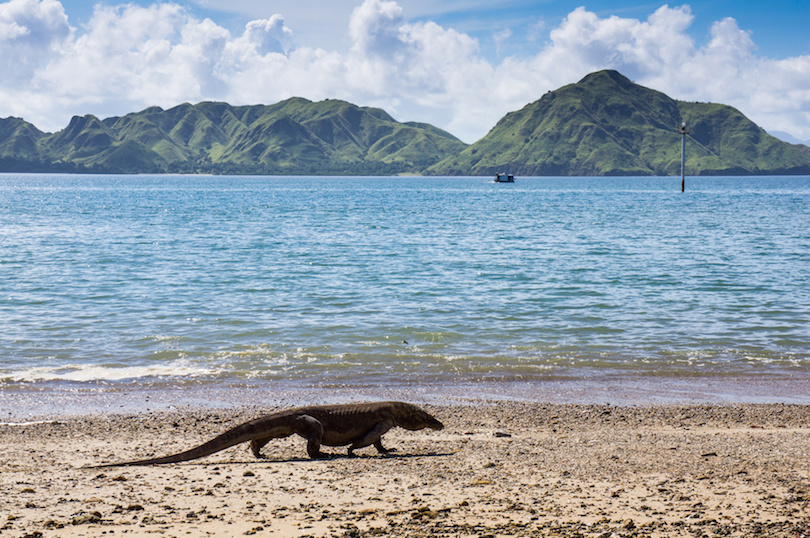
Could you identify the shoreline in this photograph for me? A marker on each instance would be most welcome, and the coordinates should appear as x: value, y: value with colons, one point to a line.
x: 499, y: 468
x: 26, y: 401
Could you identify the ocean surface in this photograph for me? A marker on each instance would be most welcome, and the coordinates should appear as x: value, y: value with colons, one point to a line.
x: 189, y: 281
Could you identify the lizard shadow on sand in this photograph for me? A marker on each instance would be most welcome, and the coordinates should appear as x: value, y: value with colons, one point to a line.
x: 332, y: 457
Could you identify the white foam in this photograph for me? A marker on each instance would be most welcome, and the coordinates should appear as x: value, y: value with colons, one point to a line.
x: 91, y: 372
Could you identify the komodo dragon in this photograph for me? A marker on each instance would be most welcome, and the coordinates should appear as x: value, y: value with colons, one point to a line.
x: 357, y: 425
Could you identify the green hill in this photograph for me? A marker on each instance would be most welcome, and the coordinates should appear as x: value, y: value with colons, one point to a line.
x: 602, y: 125
x: 606, y: 125
x: 295, y: 136
x: 19, y: 138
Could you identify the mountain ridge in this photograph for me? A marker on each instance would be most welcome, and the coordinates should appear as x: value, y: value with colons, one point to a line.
x: 605, y: 124
x: 290, y: 137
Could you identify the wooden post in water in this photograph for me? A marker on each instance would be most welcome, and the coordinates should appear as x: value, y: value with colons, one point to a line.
x: 683, y: 132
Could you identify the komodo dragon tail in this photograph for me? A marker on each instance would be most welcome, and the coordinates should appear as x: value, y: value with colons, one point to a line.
x: 234, y: 436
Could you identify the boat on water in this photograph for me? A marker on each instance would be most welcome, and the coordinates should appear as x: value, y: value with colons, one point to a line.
x: 504, y: 178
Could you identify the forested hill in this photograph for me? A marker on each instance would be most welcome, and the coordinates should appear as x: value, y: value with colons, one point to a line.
x: 607, y: 125
x: 295, y: 136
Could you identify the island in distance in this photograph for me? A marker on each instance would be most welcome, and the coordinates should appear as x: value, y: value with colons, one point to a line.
x: 603, y: 125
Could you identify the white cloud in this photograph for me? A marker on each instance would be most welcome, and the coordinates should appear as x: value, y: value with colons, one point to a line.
x: 267, y: 35
x: 31, y: 32
x: 375, y: 28
x: 128, y: 57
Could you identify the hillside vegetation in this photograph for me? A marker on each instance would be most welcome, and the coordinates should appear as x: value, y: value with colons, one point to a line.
x: 295, y: 136
x: 606, y: 125
x: 603, y: 125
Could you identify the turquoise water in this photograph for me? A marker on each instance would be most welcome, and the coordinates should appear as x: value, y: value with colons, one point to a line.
x: 196, y: 279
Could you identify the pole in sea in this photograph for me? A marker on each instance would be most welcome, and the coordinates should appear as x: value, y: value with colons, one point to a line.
x: 683, y: 132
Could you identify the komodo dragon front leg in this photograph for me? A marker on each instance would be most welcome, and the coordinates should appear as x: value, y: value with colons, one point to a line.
x: 373, y: 437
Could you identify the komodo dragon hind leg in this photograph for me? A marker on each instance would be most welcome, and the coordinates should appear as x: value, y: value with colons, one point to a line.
x: 256, y: 446
x: 311, y: 429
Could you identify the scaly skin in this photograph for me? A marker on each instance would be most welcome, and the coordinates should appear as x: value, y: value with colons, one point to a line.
x: 357, y: 425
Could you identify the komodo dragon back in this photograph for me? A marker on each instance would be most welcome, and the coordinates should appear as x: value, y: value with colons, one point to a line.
x: 357, y: 425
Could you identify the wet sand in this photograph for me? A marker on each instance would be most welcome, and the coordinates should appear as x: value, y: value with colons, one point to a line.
x: 497, y: 469
x: 20, y: 402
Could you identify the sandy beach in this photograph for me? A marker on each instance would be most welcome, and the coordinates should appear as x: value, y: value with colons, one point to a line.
x: 497, y: 469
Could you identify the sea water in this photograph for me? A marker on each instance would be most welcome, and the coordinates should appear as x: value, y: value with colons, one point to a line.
x: 382, y: 280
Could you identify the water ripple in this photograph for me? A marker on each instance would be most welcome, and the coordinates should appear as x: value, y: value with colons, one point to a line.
x: 115, y: 277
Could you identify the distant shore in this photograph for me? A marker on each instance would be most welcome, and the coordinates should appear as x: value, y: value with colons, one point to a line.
x: 497, y: 469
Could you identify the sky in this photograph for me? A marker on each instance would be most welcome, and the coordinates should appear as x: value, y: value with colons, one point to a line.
x: 460, y: 65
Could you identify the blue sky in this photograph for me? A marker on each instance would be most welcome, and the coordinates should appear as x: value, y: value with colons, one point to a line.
x: 782, y: 32
x: 781, y: 28
x: 459, y: 64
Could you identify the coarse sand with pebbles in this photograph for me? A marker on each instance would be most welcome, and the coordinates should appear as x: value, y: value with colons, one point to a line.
x: 497, y: 469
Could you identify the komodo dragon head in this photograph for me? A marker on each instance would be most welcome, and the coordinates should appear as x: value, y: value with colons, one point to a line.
x: 412, y: 418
